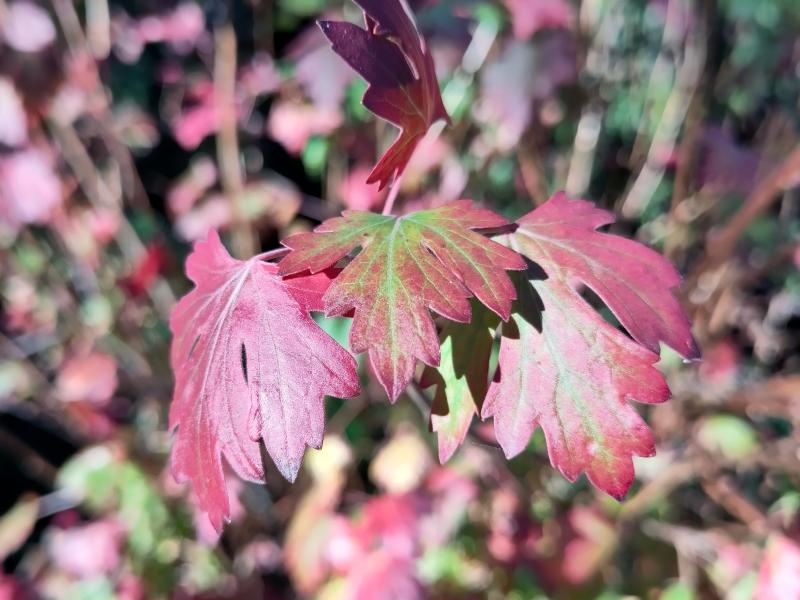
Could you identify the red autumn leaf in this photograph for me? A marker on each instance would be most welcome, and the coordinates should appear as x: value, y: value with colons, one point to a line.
x: 567, y: 369
x: 250, y: 364
x: 392, y: 56
x: 431, y: 259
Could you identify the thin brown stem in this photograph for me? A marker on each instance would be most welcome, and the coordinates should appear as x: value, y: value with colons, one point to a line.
x: 228, y: 155
x: 393, y: 191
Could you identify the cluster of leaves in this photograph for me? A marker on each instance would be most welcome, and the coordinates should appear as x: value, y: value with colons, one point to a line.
x: 129, y: 133
x: 251, y: 365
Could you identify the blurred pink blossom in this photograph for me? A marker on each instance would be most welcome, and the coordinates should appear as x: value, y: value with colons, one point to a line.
x: 88, y: 550
x: 91, y: 378
x: 26, y: 27
x: 530, y: 16
x: 29, y: 189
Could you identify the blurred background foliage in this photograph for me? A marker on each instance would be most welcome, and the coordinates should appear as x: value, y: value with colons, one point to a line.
x: 129, y: 128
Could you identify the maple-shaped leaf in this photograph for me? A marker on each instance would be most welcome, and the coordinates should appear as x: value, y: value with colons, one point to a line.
x: 393, y: 58
x: 432, y: 259
x: 461, y: 378
x: 250, y: 364
x: 567, y: 369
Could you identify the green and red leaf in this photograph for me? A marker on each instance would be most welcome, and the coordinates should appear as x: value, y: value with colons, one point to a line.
x: 427, y: 260
x: 574, y: 376
x: 565, y: 368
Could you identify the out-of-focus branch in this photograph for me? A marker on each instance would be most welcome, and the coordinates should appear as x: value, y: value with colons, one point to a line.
x: 583, y: 151
x: 101, y: 195
x: 721, y: 244
x: 228, y: 155
x: 669, y: 127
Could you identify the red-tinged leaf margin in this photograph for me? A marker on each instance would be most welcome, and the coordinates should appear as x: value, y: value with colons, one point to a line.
x: 239, y: 318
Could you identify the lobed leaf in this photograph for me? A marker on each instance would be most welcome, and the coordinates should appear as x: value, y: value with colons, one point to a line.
x: 574, y: 377
x: 433, y: 259
x: 634, y: 281
x: 392, y: 57
x: 250, y: 364
x: 565, y: 368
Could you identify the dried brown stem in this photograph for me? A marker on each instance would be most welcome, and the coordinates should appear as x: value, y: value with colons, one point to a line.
x: 228, y: 156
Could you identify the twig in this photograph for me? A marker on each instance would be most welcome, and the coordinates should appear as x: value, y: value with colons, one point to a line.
x: 720, y: 245
x: 276, y: 253
x: 670, y: 125
x: 230, y: 169
x: 393, y: 191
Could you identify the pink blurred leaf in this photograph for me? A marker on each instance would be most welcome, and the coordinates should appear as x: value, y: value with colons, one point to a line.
x: 91, y: 378
x: 26, y: 27
x: 180, y: 28
x: 594, y: 543
x: 321, y: 73
x: 779, y: 576
x: 88, y: 550
x: 292, y: 124
x: 250, y: 364
x: 357, y: 194
x: 191, y: 186
x: 530, y: 16
x: 523, y: 73
x: 29, y: 189
x: 14, y: 124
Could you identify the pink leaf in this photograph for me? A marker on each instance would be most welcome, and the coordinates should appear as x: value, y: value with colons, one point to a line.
x: 529, y: 17
x: 564, y: 367
x: 250, y: 365
x: 573, y: 376
x: 779, y: 576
